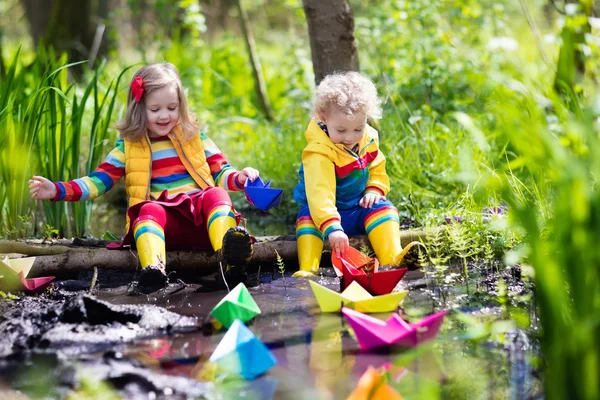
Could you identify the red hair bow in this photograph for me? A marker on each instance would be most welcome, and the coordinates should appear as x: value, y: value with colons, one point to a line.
x: 137, y: 88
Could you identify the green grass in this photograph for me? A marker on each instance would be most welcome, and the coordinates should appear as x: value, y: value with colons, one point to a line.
x: 50, y: 126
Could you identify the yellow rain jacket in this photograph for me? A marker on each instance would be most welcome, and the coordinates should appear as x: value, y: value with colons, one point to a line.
x: 333, y: 177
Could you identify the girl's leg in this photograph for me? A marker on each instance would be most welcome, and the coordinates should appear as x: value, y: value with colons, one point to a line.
x: 233, y: 241
x: 220, y: 220
x: 149, y: 235
x: 310, y: 244
x: 218, y: 212
x: 383, y: 229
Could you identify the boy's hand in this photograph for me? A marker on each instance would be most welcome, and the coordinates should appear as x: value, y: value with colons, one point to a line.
x: 41, y: 188
x: 339, y: 243
x: 248, y: 173
x: 369, y: 199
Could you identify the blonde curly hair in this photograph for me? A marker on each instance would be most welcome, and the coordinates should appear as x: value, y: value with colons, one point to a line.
x: 155, y: 77
x: 349, y: 92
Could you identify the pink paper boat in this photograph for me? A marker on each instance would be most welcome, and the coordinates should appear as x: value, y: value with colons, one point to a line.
x: 36, y: 285
x: 357, y: 266
x: 372, y: 333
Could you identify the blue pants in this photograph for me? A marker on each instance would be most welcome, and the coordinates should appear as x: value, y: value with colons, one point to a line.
x: 354, y: 220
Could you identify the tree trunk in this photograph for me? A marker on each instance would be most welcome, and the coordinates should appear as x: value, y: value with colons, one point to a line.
x: 2, y: 66
x: 101, y: 43
x: 259, y: 81
x: 331, y: 31
x: 63, y: 257
x: 63, y: 24
x: 217, y: 15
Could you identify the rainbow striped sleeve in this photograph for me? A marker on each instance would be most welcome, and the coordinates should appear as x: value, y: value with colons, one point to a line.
x: 222, y: 172
x: 332, y: 224
x: 97, y: 182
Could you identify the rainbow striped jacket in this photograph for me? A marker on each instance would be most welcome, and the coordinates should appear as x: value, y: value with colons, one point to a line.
x: 167, y: 173
x: 333, y: 177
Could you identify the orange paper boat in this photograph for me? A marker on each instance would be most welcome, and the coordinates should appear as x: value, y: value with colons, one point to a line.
x: 363, y: 269
x: 373, y: 386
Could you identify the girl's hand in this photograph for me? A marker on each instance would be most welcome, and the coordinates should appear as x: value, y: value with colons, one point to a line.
x: 369, y: 199
x: 41, y: 188
x: 339, y: 243
x: 248, y: 173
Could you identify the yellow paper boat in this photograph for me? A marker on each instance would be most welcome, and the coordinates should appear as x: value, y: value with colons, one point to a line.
x: 13, y: 276
x: 356, y: 298
x: 18, y: 264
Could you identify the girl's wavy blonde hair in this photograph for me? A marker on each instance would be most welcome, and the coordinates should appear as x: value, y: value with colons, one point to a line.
x: 155, y: 77
x: 349, y: 92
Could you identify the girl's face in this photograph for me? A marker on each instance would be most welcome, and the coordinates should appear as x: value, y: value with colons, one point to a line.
x: 343, y: 130
x: 162, y: 111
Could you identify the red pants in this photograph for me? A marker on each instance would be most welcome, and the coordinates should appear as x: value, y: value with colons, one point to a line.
x: 182, y: 217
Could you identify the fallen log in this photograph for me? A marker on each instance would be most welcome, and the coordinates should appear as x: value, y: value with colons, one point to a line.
x: 67, y: 256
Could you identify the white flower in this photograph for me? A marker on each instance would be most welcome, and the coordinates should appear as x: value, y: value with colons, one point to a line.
x: 594, y: 22
x: 571, y: 8
x: 550, y: 38
x: 502, y: 42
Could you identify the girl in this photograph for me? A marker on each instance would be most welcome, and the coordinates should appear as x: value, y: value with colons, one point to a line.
x: 343, y: 182
x: 176, y: 181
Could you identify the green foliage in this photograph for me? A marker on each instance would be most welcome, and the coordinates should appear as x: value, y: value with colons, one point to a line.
x: 281, y: 269
x: 46, y: 123
x: 7, y: 296
x: 92, y: 388
x: 567, y: 274
x: 108, y: 235
x: 16, y: 142
x: 49, y: 231
x: 366, y: 250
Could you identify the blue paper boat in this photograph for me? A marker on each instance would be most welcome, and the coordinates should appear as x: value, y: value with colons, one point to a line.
x: 263, y: 388
x: 262, y: 195
x: 242, y: 353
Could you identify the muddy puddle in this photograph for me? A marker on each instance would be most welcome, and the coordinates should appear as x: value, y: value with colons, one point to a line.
x: 157, y: 346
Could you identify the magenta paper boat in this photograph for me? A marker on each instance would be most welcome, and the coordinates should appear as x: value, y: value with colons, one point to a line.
x: 262, y: 195
x: 372, y: 333
x: 355, y: 267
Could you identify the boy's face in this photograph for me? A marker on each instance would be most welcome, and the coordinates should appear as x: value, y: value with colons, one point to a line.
x: 162, y: 111
x: 343, y: 130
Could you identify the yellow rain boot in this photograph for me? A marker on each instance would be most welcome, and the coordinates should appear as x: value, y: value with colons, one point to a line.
x: 383, y: 229
x: 234, y: 245
x: 150, y: 244
x: 310, y: 247
x: 385, y: 240
x: 220, y: 220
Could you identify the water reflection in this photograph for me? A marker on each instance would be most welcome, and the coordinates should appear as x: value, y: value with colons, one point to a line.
x: 319, y: 358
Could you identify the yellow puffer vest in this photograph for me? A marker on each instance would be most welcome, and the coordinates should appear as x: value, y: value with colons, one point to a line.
x: 138, y: 164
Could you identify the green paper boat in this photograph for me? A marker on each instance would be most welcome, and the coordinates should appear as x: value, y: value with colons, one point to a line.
x: 238, y: 304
